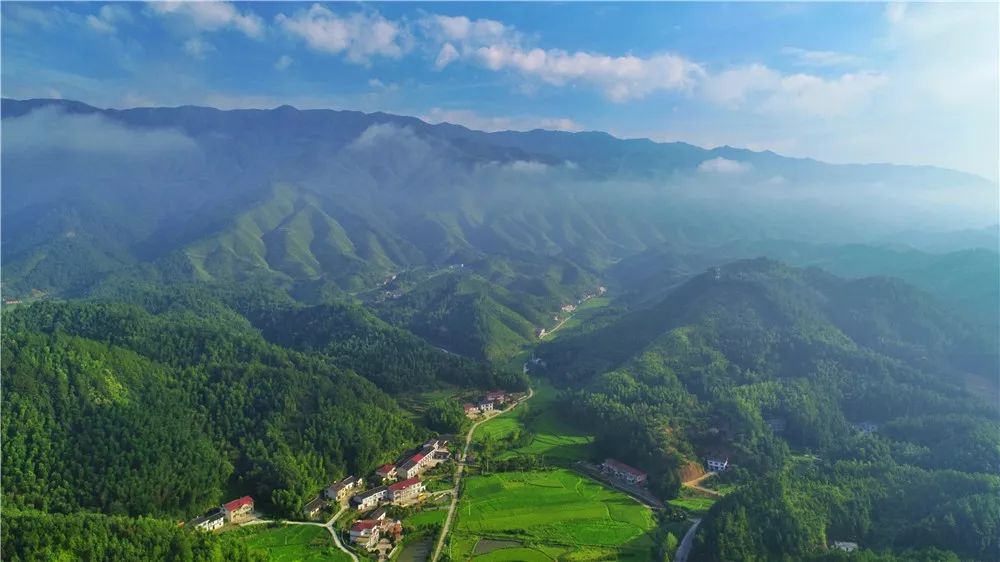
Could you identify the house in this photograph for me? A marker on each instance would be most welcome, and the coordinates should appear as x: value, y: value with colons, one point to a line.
x: 485, y: 406
x: 410, y: 467
x: 496, y: 396
x: 370, y: 498
x: 366, y: 533
x: 442, y: 456
x: 470, y: 409
x: 313, y: 508
x: 436, y: 443
x: 211, y: 521
x: 386, y: 471
x: 716, y: 464
x: 342, y: 488
x: 378, y: 514
x: 239, y: 509
x: 405, y: 491
x: 845, y: 546
x: 623, y: 471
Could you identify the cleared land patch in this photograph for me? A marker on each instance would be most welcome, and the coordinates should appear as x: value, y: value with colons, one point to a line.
x: 551, y: 509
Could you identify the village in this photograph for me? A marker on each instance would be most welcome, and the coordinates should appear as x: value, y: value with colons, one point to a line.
x: 372, y: 530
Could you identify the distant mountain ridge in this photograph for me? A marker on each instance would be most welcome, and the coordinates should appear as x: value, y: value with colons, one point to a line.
x: 325, y: 200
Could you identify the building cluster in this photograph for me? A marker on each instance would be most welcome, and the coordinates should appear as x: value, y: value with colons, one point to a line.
x: 623, y: 472
x: 376, y: 527
x: 400, y: 481
x: 236, y: 511
x: 492, y: 400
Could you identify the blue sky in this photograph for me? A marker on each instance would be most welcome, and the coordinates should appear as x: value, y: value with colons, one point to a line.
x: 847, y: 82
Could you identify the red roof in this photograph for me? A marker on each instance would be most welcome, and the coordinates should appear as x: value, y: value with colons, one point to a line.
x: 469, y: 406
x: 404, y: 484
x: 236, y: 504
x: 622, y: 467
x: 385, y: 468
x: 418, y: 457
x: 363, y: 525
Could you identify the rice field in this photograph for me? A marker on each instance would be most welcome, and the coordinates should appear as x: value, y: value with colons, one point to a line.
x: 290, y: 543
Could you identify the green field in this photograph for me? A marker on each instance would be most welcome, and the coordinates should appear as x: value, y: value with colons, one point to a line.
x: 582, y: 314
x: 291, y: 543
x: 554, y: 513
x: 554, y: 437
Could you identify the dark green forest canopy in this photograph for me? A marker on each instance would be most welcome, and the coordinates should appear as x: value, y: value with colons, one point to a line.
x: 700, y: 372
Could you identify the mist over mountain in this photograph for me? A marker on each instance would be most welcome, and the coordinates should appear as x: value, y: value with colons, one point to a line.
x: 344, y: 198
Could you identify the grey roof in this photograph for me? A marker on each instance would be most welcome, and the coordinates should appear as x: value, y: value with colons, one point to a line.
x: 370, y: 493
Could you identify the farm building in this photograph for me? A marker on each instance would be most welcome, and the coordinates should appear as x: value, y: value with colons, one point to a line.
x: 370, y: 498
x: 717, y: 464
x: 211, y: 521
x: 342, y: 488
x: 313, y: 508
x: 239, y: 509
x: 623, y: 471
x: 405, y: 490
x: 386, y: 471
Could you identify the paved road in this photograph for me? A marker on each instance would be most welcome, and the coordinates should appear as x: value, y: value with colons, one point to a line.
x: 458, y: 476
x: 685, y: 548
x: 328, y: 526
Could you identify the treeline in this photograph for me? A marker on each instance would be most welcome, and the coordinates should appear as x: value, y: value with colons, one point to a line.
x: 127, y: 412
x: 41, y: 537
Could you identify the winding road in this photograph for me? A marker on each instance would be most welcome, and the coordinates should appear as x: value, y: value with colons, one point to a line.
x: 458, y: 474
x: 685, y: 548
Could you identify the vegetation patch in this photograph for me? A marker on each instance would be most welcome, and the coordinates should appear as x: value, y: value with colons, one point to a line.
x: 557, y: 507
x: 288, y: 543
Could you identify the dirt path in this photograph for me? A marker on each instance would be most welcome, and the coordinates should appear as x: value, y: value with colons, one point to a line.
x: 458, y: 475
x: 694, y: 484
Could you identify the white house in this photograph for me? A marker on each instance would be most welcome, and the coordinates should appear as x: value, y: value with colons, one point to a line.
x: 717, y: 464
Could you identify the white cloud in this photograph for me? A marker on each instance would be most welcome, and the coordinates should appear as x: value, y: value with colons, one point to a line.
x: 497, y: 47
x: 361, y: 35
x: 198, y: 47
x: 50, y: 129
x: 446, y: 56
x: 283, y: 62
x: 108, y: 16
x: 804, y: 57
x: 479, y: 122
x: 725, y: 166
x: 212, y: 16
x: 768, y: 90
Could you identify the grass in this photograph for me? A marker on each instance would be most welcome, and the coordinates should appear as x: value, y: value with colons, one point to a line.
x: 554, y: 436
x: 697, y: 506
x: 289, y: 543
x: 557, y: 509
x: 426, y: 518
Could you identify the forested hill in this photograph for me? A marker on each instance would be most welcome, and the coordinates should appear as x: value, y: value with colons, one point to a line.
x: 699, y: 373
x: 110, y: 408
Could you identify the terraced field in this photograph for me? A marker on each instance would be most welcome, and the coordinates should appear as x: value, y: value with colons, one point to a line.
x: 554, y: 514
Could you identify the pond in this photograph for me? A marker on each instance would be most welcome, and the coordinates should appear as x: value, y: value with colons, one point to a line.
x: 417, y: 551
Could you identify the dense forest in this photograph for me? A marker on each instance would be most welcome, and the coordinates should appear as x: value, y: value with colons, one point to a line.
x: 709, y: 369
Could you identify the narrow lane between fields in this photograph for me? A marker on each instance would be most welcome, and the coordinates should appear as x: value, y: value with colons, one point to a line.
x: 458, y: 474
